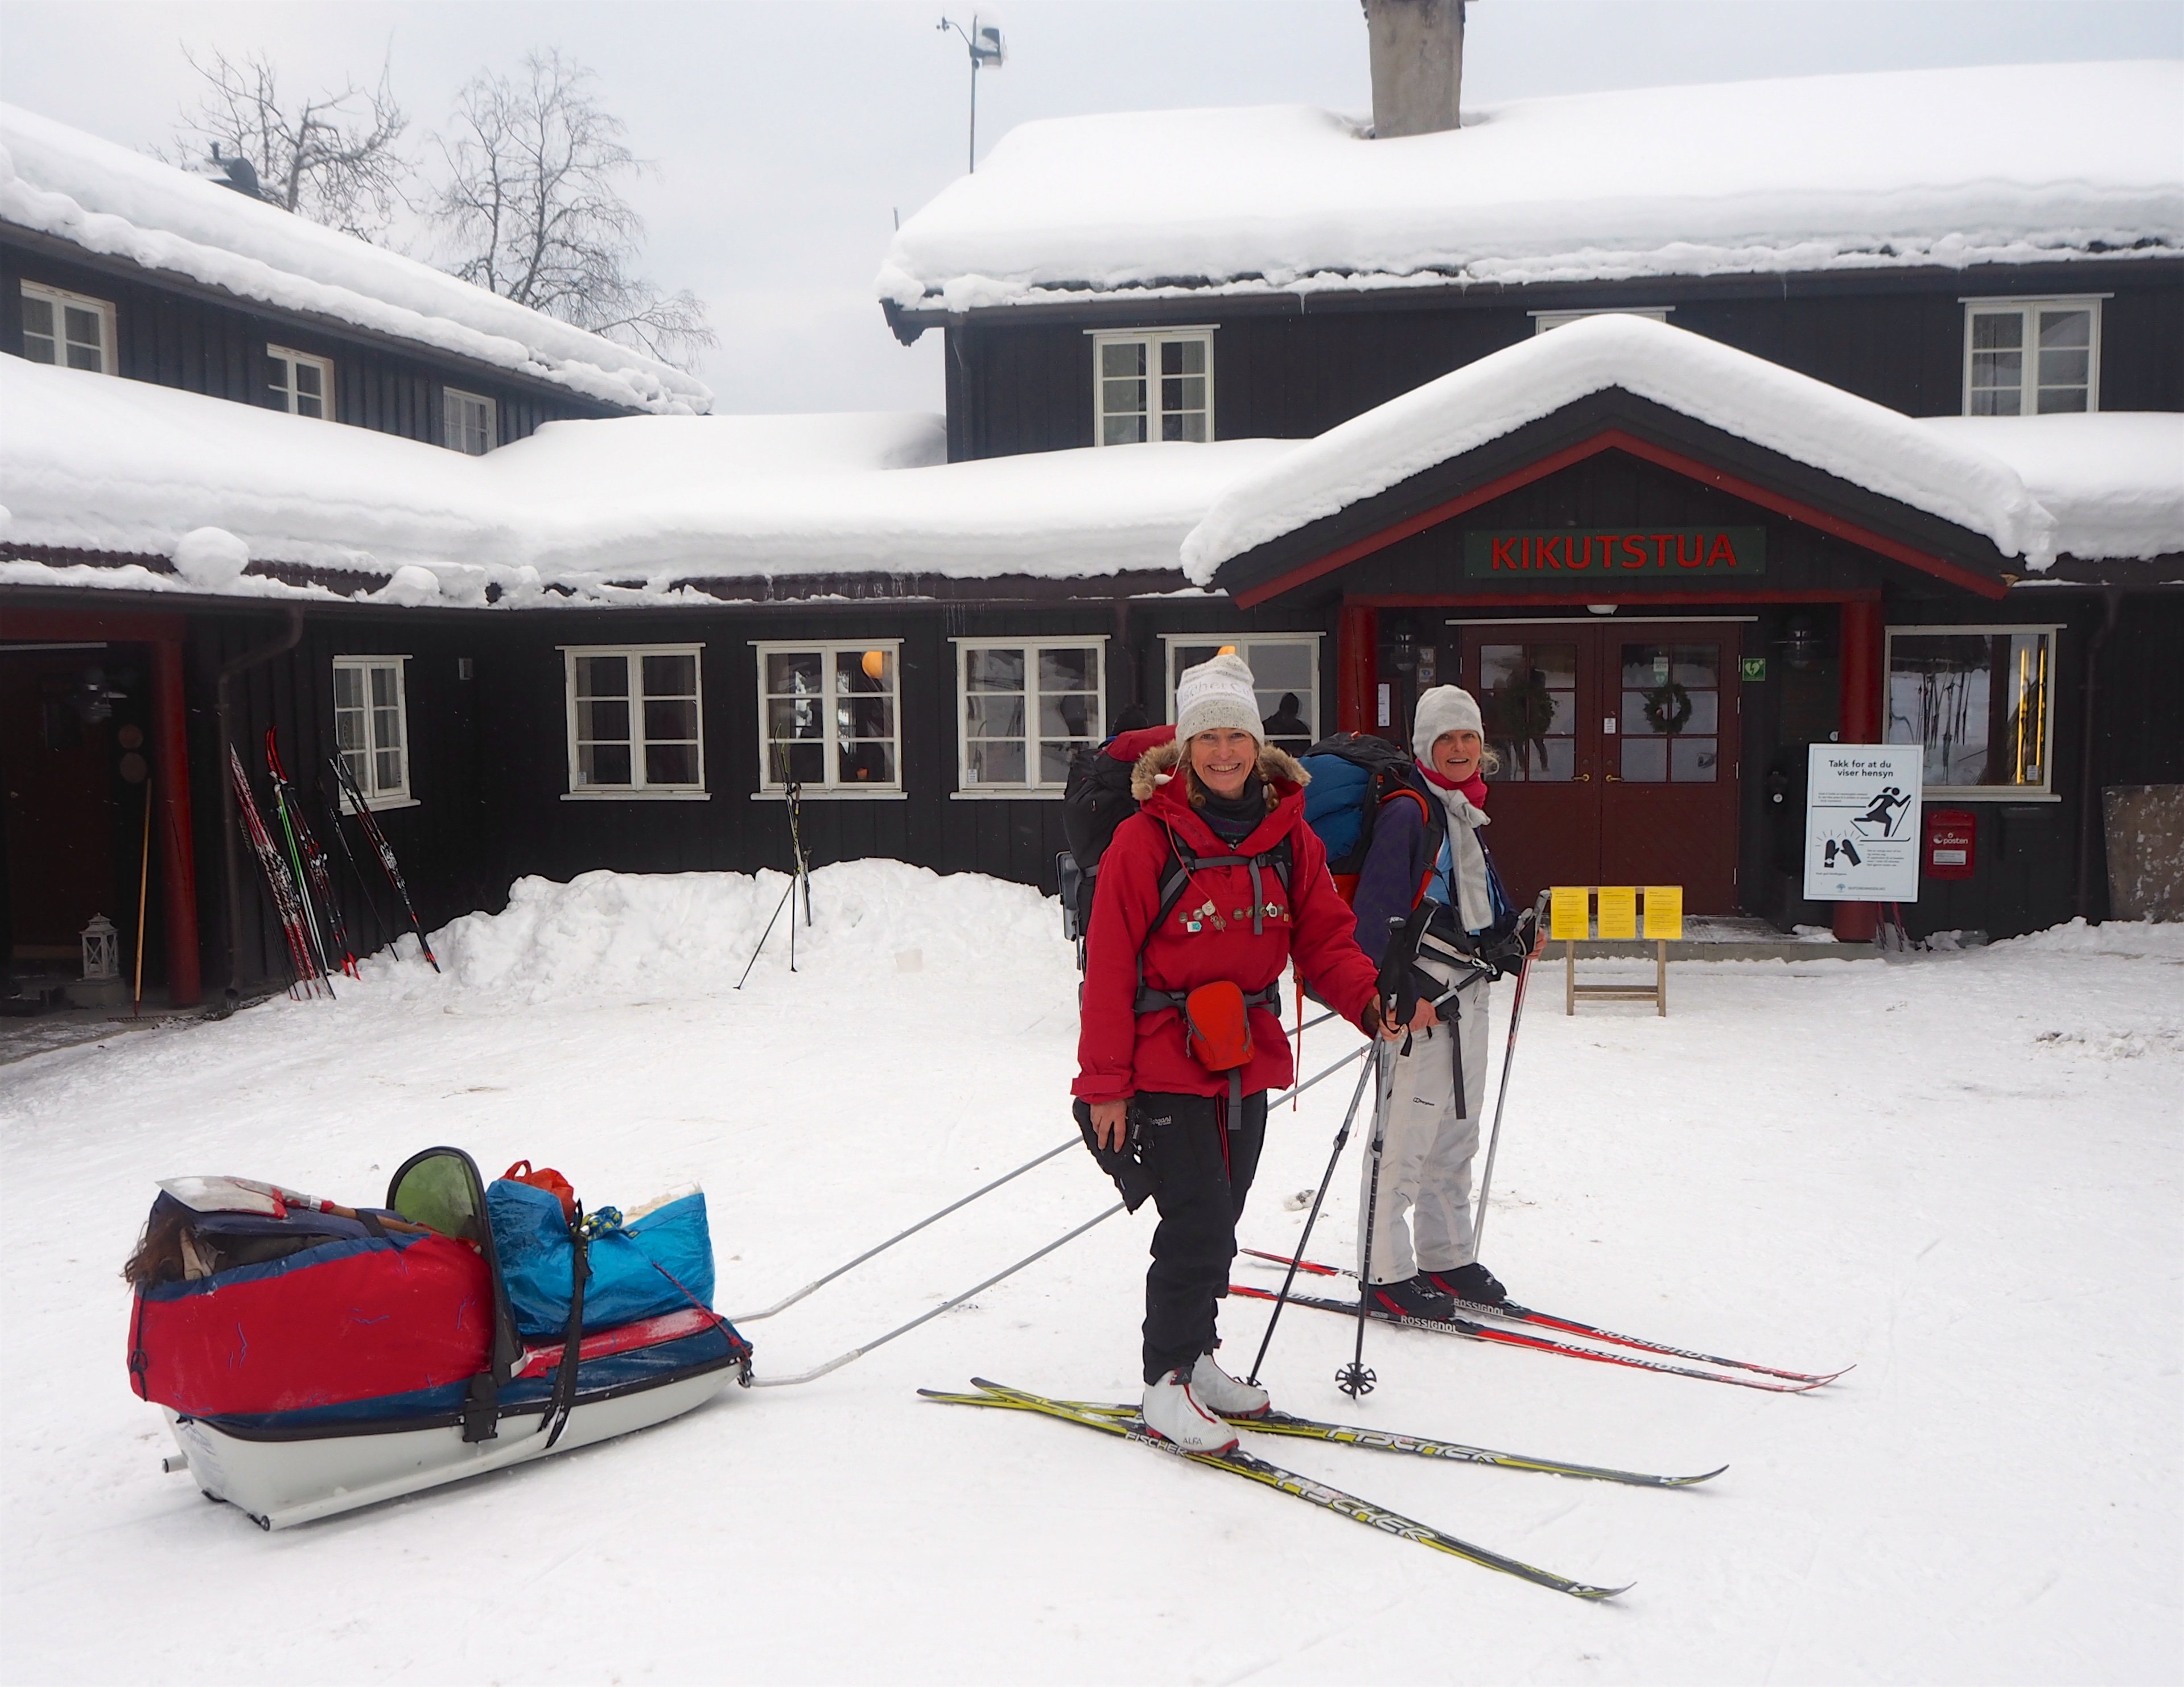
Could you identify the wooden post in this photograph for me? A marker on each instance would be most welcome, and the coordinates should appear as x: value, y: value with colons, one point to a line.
x: 1661, y: 975
x: 1570, y: 978
x: 1357, y: 660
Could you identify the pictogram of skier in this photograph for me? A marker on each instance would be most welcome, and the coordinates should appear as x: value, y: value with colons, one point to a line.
x: 1885, y: 810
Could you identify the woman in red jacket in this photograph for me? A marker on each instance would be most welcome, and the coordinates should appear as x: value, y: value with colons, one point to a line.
x: 1220, y: 826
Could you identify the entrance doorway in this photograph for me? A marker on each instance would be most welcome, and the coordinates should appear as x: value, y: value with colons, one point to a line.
x: 1619, y: 753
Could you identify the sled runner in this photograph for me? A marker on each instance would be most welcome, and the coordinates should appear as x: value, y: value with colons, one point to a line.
x: 311, y: 1361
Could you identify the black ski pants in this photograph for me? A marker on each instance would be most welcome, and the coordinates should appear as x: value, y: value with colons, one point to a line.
x: 1201, y: 1172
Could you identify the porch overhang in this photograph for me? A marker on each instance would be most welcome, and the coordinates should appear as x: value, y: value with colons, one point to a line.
x: 1614, y: 419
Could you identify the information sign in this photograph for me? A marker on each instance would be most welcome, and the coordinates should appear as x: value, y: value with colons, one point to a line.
x: 1570, y: 916
x: 1618, y: 912
x: 1664, y: 912
x: 1861, y: 823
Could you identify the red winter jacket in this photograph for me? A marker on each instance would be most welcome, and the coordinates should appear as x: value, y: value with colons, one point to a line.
x: 1120, y: 1052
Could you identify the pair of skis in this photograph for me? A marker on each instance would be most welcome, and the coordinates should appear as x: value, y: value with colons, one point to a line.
x: 301, y: 880
x: 1784, y: 1383
x: 1123, y: 1423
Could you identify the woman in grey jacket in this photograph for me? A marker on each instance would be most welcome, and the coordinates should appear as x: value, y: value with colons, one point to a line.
x: 1431, y: 1133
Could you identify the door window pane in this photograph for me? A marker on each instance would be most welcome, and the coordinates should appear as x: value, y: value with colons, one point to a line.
x: 1670, y: 712
x: 1691, y: 761
x: 1528, y: 703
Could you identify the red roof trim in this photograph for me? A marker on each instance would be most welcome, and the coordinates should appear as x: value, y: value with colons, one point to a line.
x: 1617, y: 438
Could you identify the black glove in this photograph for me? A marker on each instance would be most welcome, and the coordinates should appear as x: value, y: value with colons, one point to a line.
x: 1126, y: 1165
x: 1507, y: 953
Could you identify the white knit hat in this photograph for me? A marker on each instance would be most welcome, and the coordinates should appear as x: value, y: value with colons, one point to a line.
x: 1217, y: 694
x: 1445, y: 708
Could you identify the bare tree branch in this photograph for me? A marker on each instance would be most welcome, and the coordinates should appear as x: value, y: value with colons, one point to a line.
x: 531, y: 207
x: 330, y: 157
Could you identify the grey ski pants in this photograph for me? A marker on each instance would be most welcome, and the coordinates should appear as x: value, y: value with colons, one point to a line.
x: 1427, y: 1151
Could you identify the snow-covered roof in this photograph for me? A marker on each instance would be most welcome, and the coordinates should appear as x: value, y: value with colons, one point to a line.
x: 88, y: 462
x: 2013, y: 163
x: 60, y: 181
x: 2090, y: 486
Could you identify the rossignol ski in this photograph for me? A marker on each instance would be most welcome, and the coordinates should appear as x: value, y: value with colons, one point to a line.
x: 369, y: 825
x: 1420, y: 1446
x: 1482, y: 1333
x: 307, y: 980
x: 1510, y: 1310
x: 1253, y: 1468
x: 314, y: 875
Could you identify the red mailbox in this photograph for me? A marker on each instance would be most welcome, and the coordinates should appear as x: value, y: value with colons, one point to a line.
x: 1951, y: 842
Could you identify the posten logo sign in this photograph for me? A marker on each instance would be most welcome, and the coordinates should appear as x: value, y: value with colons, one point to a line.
x: 1579, y: 556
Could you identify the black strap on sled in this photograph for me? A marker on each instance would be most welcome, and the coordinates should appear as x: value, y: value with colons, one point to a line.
x: 564, y: 1398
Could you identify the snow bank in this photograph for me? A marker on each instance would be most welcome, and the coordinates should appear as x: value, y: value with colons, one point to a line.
x: 1807, y: 420
x: 2114, y: 483
x: 615, y: 510
x: 2009, y: 164
x: 60, y: 181
x: 2134, y: 939
x: 622, y: 937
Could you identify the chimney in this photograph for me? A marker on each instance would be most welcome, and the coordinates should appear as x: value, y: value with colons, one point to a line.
x: 1417, y: 64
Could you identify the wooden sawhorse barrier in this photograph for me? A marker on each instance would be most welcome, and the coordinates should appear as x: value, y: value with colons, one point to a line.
x: 1572, y: 922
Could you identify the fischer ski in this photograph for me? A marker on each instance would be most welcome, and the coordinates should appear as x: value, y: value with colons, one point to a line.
x: 1513, y: 1313
x: 312, y: 869
x: 1419, y: 1446
x: 1483, y: 1332
x: 1256, y: 1469
x: 368, y: 822
x: 307, y: 979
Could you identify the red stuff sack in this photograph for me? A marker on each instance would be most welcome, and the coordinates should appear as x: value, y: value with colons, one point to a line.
x: 548, y: 1179
x: 1219, y: 1026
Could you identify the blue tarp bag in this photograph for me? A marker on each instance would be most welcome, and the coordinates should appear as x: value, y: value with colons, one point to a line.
x: 638, y: 1271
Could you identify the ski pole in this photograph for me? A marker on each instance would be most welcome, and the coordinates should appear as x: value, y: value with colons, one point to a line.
x: 768, y: 932
x: 1353, y: 1378
x: 1501, y: 1096
x: 1341, y: 1142
x: 840, y: 1360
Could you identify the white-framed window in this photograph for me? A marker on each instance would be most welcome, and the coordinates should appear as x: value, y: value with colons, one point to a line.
x: 469, y: 424
x: 636, y: 720
x: 829, y: 716
x: 1544, y: 320
x: 371, y: 727
x: 1023, y: 707
x: 1152, y: 385
x: 2032, y: 356
x: 67, y: 328
x: 1285, y: 671
x: 1982, y: 699
x: 300, y: 383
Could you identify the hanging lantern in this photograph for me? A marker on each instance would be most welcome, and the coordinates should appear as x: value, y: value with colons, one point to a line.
x: 875, y: 665
x: 102, y: 959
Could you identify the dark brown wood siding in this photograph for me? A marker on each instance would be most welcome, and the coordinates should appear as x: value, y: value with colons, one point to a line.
x: 1286, y: 369
x: 174, y: 339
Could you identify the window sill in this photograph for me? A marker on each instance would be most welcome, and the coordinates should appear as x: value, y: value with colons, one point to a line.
x: 1007, y: 794
x: 1987, y: 793
x: 832, y: 793
x: 379, y: 805
x: 599, y: 795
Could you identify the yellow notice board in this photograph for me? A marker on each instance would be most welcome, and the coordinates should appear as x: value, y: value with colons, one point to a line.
x: 1664, y: 912
x: 1618, y: 912
x: 1570, y: 915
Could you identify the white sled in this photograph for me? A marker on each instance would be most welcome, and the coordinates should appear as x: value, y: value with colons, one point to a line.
x: 316, y: 1444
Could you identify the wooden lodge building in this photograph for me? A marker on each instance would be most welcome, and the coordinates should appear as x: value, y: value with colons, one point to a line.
x: 1682, y: 457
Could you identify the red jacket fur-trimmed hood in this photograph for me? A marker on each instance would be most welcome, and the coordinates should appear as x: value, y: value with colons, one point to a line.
x: 1120, y: 1052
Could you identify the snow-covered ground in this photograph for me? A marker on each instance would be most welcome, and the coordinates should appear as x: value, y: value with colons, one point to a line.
x: 1959, y: 1173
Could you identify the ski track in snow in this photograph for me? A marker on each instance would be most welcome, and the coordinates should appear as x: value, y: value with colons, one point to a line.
x: 1960, y: 1173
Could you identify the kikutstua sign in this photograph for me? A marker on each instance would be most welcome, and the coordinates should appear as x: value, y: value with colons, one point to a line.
x: 1578, y: 556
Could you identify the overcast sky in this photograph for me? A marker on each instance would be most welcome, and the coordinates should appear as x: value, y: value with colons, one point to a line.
x: 788, y: 132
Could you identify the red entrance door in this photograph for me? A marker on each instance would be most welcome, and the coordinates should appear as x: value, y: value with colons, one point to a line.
x: 1618, y: 748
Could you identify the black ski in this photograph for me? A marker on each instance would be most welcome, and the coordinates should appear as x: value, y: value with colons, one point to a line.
x: 1481, y: 1333
x: 368, y: 822
x: 313, y: 873
x: 1513, y: 1313
x: 1419, y: 1446
x: 1256, y: 1469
